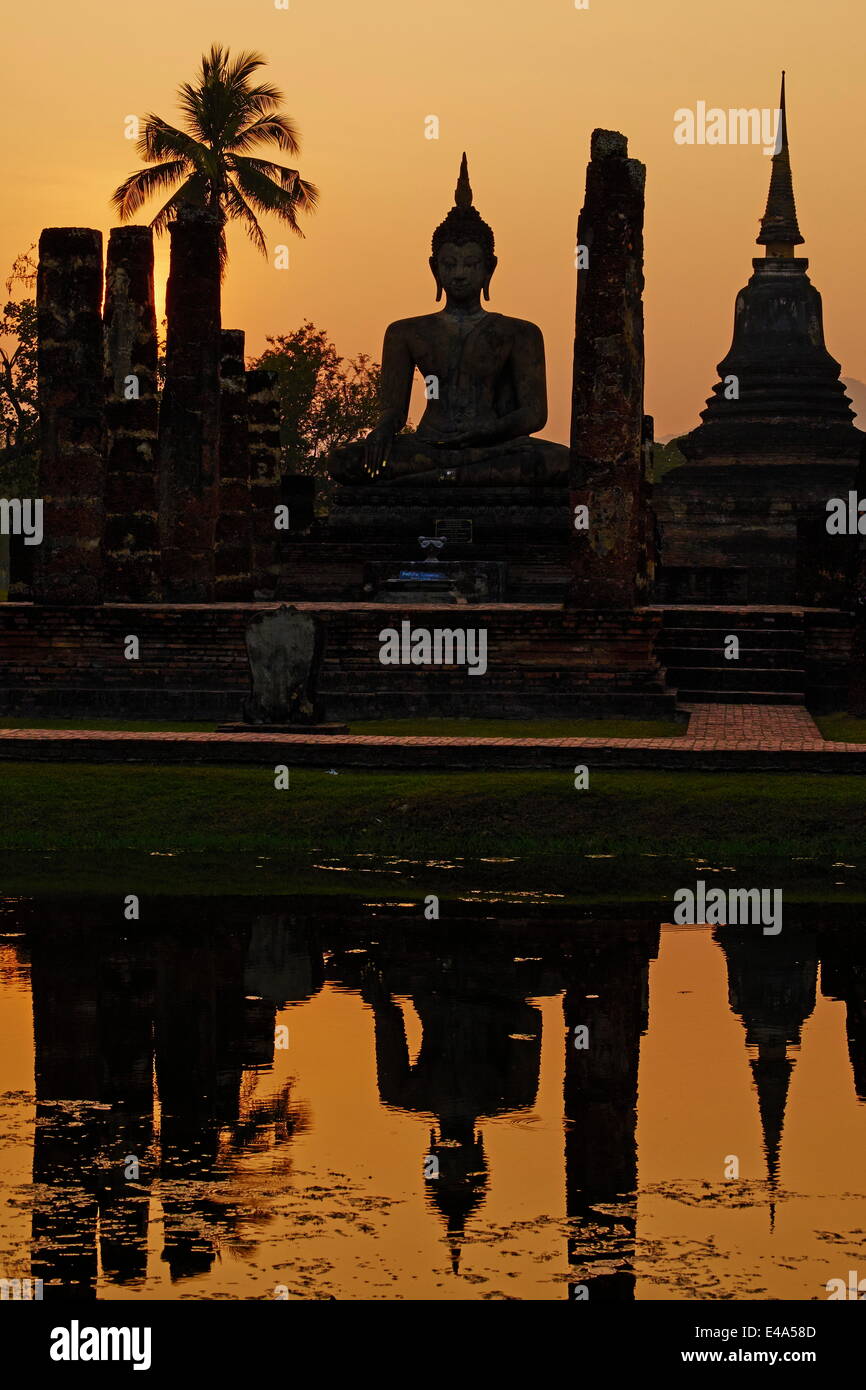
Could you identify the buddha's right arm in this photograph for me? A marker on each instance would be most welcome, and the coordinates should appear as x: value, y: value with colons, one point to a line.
x: 395, y: 385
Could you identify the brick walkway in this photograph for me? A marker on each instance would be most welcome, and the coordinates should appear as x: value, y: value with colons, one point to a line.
x: 751, y: 724
x: 772, y: 738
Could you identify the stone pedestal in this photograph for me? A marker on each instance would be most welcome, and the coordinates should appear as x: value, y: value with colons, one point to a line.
x: 131, y: 404
x: 513, y: 540
x: 190, y: 411
x: 234, y: 525
x: 265, y: 461
x: 68, y: 565
x: 607, y: 432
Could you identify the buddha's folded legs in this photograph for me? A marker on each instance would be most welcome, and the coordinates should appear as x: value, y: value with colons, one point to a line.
x: 519, y: 462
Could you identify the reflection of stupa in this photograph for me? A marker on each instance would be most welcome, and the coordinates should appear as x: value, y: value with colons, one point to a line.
x: 771, y: 987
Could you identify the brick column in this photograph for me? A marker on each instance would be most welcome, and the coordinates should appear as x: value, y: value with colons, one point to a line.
x: 857, y: 605
x: 68, y: 564
x: 189, y: 411
x: 131, y: 405
x: 607, y: 426
x: 265, y: 461
x: 234, y: 524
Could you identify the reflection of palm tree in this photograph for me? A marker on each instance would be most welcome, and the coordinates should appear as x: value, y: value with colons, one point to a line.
x: 209, y: 163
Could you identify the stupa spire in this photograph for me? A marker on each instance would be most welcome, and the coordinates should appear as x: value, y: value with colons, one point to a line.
x: 779, y: 230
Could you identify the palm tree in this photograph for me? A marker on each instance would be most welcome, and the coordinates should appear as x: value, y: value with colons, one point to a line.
x: 208, y: 162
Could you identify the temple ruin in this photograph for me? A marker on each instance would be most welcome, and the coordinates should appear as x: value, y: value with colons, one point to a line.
x: 168, y: 516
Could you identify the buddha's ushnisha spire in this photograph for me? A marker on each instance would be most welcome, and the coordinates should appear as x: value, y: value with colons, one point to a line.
x: 464, y: 223
x: 463, y: 191
x: 779, y: 230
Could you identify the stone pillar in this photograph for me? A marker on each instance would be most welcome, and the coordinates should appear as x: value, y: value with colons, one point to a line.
x: 68, y: 563
x: 857, y: 605
x: 132, y: 409
x: 190, y: 410
x: 607, y: 426
x: 265, y: 460
x: 234, y: 524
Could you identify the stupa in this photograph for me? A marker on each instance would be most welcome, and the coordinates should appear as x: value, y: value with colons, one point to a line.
x: 744, y: 520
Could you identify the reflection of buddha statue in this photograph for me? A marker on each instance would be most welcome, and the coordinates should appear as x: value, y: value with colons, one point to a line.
x: 484, y: 380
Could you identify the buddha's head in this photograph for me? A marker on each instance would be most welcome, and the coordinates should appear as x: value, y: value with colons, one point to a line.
x: 463, y: 259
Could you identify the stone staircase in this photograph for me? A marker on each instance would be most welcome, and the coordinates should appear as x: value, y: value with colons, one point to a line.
x: 771, y: 665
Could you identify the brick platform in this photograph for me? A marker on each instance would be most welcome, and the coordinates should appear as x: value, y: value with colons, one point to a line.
x: 541, y: 662
x: 745, y: 738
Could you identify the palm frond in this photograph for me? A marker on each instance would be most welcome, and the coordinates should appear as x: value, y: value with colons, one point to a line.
x: 160, y: 139
x: 239, y: 209
x: 140, y: 186
x: 190, y: 192
x: 283, y: 189
x: 270, y: 128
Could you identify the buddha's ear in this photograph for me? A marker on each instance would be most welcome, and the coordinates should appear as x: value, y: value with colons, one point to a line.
x: 486, y: 286
x: 432, y: 265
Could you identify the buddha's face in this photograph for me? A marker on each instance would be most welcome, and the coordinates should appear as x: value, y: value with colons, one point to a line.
x: 462, y: 271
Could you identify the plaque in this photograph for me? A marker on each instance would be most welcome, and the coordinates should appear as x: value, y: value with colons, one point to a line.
x: 455, y: 529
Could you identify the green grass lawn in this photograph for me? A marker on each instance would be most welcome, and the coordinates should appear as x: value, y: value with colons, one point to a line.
x: 49, y: 806
x: 448, y: 728
x: 842, y: 728
x: 514, y: 836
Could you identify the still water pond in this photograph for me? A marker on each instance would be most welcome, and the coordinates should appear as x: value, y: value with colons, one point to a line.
x: 344, y: 1100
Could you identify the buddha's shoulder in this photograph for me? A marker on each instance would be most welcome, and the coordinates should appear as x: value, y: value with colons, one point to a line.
x: 418, y: 323
x: 516, y: 328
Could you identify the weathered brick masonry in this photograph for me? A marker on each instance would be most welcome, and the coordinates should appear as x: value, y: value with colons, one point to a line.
x: 541, y: 660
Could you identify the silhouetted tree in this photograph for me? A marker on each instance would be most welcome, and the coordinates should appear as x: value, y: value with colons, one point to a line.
x: 325, y: 400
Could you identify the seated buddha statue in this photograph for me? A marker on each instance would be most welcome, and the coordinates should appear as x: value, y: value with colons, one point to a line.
x: 484, y: 379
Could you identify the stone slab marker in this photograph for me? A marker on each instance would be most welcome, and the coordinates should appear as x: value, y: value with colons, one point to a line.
x: 607, y: 425
x: 264, y: 436
x: 68, y: 564
x: 284, y: 649
x: 131, y: 405
x: 190, y: 411
x: 234, y: 524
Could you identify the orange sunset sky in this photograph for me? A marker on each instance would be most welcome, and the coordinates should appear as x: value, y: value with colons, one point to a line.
x: 519, y: 84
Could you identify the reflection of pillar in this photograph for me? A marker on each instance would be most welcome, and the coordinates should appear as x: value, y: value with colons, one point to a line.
x: 857, y: 605
x: 234, y: 524
x: 771, y: 987
x: 68, y: 1082
x: 608, y: 445
x: 199, y: 1024
x: 126, y: 1008
x: 68, y: 564
x: 131, y: 484
x: 190, y: 410
x: 607, y: 994
x: 283, y: 965
x: 265, y: 457
x: 843, y: 976
x: 92, y: 1031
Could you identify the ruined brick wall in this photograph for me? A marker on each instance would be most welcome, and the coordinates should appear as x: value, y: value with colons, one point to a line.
x: 193, y: 659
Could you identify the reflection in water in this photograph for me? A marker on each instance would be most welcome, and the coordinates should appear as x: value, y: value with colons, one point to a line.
x: 221, y: 1098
